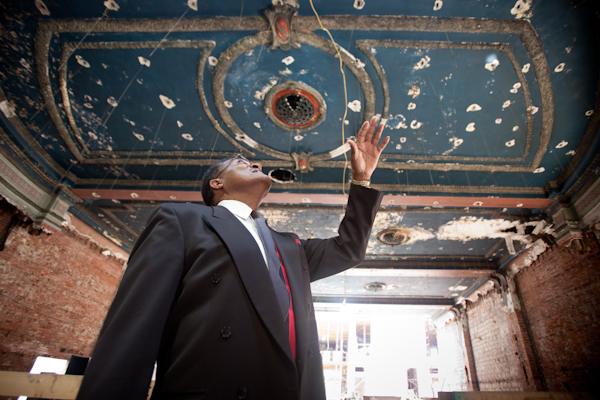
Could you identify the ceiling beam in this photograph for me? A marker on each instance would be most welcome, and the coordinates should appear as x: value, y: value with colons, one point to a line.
x: 409, y: 301
x: 420, y: 262
x: 319, y: 198
x: 419, y: 273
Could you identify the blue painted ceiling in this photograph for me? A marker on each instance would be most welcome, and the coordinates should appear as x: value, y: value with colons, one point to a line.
x: 480, y: 98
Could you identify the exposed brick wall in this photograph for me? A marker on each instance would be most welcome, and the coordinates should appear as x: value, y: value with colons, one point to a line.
x: 55, y: 290
x: 493, y: 352
x: 451, y: 358
x: 561, y: 296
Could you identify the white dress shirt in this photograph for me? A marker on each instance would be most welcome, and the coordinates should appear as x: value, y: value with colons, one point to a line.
x: 242, y: 212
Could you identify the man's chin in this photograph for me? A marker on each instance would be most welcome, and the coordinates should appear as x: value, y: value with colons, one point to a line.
x: 267, y: 184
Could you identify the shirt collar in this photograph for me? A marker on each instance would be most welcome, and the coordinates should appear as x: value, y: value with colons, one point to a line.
x: 237, y: 208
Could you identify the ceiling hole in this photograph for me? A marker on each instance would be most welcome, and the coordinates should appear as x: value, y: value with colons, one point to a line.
x: 375, y: 286
x: 295, y: 106
x: 294, y: 109
x: 393, y: 236
x: 281, y: 175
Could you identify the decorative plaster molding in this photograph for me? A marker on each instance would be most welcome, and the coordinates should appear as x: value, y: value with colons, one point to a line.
x: 67, y: 51
x: 588, y: 200
x: 527, y: 257
x: 364, y: 46
x: 48, y: 28
x: 262, y: 38
x: 572, y: 220
x: 43, y: 208
x: 24, y: 132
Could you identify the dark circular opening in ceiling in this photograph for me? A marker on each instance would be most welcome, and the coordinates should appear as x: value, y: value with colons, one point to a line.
x: 375, y: 286
x: 294, y: 109
x: 295, y: 106
x: 281, y: 175
x: 393, y: 236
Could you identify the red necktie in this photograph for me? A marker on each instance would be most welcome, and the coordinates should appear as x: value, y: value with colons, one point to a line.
x: 278, y: 276
x: 291, y: 320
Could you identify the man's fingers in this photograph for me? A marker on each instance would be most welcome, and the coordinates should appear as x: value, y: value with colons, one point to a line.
x: 377, y: 135
x: 383, y: 144
x: 371, y: 129
x: 362, y: 133
x: 352, y: 148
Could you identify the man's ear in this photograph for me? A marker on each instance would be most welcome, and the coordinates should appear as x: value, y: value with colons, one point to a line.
x: 216, y: 184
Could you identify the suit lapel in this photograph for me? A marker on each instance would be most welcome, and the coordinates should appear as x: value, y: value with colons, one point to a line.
x: 289, y: 251
x: 253, y: 272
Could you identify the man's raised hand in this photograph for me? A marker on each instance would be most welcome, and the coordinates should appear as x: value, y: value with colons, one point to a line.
x: 366, y: 150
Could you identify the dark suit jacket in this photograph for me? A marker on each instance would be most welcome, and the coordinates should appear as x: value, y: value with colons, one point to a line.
x: 197, y: 297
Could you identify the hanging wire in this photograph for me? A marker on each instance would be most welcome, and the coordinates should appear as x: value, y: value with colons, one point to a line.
x: 451, y: 52
x: 60, y: 66
x: 63, y: 176
x: 181, y: 155
x: 336, y: 47
x: 141, y: 66
x: 212, y: 152
x: 155, y: 136
x: 121, y: 96
x: 169, y: 31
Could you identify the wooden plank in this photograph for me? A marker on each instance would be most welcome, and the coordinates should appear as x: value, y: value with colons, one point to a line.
x: 47, y: 386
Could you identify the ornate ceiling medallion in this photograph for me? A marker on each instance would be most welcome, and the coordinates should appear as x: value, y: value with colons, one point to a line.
x: 295, y: 106
x: 280, y: 21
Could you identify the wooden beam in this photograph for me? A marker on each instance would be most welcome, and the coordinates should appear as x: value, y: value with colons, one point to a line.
x: 45, y: 386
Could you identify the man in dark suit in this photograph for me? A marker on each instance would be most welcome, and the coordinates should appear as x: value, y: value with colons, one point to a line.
x: 222, y: 303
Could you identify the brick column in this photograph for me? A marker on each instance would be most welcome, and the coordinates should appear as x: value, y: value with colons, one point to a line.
x: 531, y: 378
x: 465, y: 335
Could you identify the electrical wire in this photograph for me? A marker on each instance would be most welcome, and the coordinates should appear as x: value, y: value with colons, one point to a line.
x: 336, y: 47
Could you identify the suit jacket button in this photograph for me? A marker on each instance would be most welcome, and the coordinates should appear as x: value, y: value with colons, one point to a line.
x: 310, y: 353
x: 216, y: 278
x: 242, y: 392
x: 226, y: 332
x: 309, y: 306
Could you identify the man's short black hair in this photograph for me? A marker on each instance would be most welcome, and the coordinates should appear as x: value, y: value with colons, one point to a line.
x: 207, y: 193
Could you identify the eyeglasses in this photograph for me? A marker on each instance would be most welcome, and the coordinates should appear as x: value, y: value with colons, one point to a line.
x: 237, y: 157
